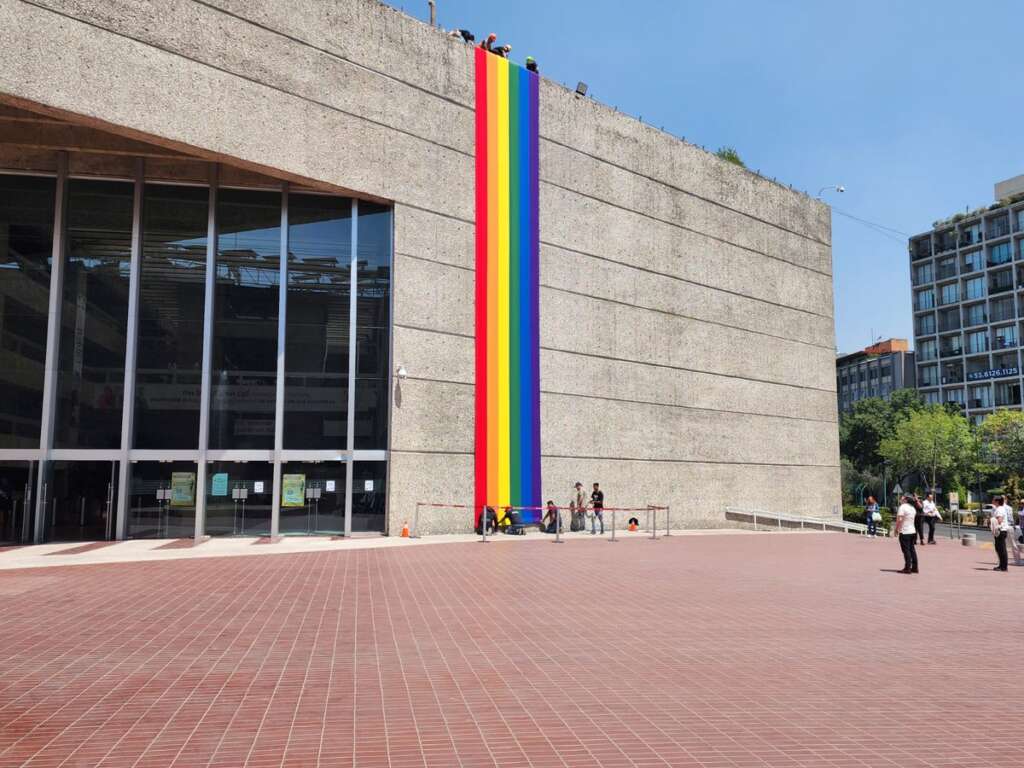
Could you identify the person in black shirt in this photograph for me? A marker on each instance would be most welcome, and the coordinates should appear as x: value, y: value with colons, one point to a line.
x: 597, y: 504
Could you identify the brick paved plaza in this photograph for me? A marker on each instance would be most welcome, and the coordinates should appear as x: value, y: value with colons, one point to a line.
x: 741, y: 650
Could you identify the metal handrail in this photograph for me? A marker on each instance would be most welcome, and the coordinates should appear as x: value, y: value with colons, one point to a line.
x: 826, y: 523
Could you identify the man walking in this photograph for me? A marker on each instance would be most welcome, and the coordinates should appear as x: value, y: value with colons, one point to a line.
x: 597, y: 503
x: 931, y: 516
x: 908, y: 534
x: 1000, y: 525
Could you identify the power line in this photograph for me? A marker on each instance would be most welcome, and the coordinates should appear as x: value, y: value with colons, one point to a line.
x: 876, y: 227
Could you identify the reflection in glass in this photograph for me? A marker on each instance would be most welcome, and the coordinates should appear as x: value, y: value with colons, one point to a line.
x: 369, y: 484
x: 317, y: 334
x: 79, y: 500
x: 94, y: 315
x: 372, y: 327
x: 242, y: 395
x: 162, y: 500
x: 323, y: 501
x: 238, y: 498
x: 170, y: 343
x: 26, y: 243
x: 16, y: 507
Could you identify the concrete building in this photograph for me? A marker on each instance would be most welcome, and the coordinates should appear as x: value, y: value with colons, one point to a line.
x: 258, y: 211
x: 965, y: 276
x: 875, y: 371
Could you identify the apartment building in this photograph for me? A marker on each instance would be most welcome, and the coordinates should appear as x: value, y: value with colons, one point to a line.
x: 875, y: 371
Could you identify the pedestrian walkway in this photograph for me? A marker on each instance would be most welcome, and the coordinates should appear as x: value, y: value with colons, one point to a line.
x: 714, y: 650
x: 146, y: 550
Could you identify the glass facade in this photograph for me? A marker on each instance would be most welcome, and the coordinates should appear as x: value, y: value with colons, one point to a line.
x: 268, y: 308
x: 26, y: 246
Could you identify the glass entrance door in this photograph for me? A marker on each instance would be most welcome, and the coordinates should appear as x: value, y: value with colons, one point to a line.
x: 16, y: 502
x: 80, y: 500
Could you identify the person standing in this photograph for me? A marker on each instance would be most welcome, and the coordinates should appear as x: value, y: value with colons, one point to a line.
x: 931, y: 516
x: 908, y: 534
x: 1000, y: 526
x: 597, y: 503
x: 870, y: 510
x: 915, y: 500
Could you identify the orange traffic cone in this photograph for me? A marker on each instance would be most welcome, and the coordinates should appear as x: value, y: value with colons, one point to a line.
x: 405, y: 531
x: 633, y: 527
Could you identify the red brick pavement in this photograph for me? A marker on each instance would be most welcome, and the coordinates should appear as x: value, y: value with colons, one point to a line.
x: 773, y: 650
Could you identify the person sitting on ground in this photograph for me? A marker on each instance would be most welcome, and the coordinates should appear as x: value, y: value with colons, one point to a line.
x: 531, y: 64
x: 550, y: 517
x: 490, y: 519
x: 488, y: 43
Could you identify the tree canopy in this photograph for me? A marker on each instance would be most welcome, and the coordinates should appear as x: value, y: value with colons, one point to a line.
x: 871, y: 421
x: 1002, y: 439
x: 934, y: 442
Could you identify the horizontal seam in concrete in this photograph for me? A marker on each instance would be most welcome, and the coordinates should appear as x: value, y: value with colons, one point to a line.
x: 710, y: 287
x: 666, y: 222
x: 687, y: 192
x: 471, y: 108
x: 686, y: 317
x: 632, y: 306
x: 632, y: 459
x: 634, y: 401
x: 630, y: 361
x: 335, y: 55
x: 259, y: 83
x: 647, y: 271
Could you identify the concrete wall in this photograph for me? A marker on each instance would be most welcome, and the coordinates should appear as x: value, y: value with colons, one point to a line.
x: 687, y: 334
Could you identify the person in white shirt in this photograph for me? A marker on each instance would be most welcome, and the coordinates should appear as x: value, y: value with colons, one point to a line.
x: 908, y: 534
x: 1000, y: 525
x: 931, y: 516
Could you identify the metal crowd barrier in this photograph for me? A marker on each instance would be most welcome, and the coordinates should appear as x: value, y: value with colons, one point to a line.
x: 652, y: 513
x: 826, y: 523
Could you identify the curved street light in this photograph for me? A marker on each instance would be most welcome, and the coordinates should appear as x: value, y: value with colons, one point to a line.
x: 836, y: 187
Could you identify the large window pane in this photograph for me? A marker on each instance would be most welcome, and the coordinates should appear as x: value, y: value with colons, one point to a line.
x: 373, y: 341
x: 26, y: 242
x: 245, y: 327
x: 170, y: 344
x: 369, y: 490
x: 162, y: 499
x: 313, y: 497
x: 238, y: 498
x: 94, y: 315
x: 317, y: 341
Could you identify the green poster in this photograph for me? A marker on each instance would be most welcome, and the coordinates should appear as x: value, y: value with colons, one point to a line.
x: 183, y: 489
x: 293, y: 490
x: 219, y: 484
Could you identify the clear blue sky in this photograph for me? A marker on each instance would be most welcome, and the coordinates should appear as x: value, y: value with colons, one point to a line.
x: 914, y: 106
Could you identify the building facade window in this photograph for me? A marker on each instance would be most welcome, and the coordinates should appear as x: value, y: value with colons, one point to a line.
x: 974, y: 288
x: 980, y: 396
x: 973, y: 261
x: 999, y: 254
x: 949, y: 294
x: 1004, y: 337
x: 977, y: 342
x: 26, y: 246
x: 929, y: 375
x: 975, y: 315
x: 924, y: 299
x: 925, y: 325
x: 927, y: 350
x: 923, y: 274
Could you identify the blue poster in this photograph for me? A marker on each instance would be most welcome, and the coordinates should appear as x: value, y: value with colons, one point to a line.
x: 220, y: 484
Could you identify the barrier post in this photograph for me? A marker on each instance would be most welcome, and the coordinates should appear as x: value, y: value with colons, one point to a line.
x: 558, y: 526
x: 652, y: 519
x: 483, y: 523
x: 612, y: 539
x: 668, y: 527
x: 416, y: 522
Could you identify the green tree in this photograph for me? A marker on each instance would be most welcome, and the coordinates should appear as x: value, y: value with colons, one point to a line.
x: 1002, y: 435
x: 872, y: 420
x: 934, y: 442
x: 730, y: 155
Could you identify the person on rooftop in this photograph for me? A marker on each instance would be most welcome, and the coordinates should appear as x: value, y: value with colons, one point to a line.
x: 488, y: 43
x: 465, y: 34
x: 531, y: 64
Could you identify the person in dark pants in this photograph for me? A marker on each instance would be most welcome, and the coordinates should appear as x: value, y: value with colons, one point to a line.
x: 1000, y: 525
x: 918, y: 517
x: 931, y: 516
x: 597, y: 504
x: 908, y: 534
x: 869, y: 515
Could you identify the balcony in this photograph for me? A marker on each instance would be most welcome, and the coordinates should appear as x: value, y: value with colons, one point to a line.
x: 1000, y: 284
x: 920, y: 249
x: 945, y: 271
x: 945, y: 242
x: 1000, y: 228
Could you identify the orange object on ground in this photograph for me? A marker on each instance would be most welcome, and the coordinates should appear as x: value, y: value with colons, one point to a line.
x: 405, y: 531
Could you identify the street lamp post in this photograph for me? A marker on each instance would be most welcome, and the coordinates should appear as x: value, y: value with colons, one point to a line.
x: 837, y: 187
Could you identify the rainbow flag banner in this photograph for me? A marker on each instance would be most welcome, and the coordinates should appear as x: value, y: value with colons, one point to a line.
x: 507, y: 278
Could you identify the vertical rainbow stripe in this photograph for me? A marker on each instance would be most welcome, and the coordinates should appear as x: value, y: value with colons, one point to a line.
x: 507, y: 279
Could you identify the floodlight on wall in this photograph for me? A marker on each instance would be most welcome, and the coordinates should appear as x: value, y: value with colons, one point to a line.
x: 581, y: 88
x: 402, y: 373
x: 836, y: 187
